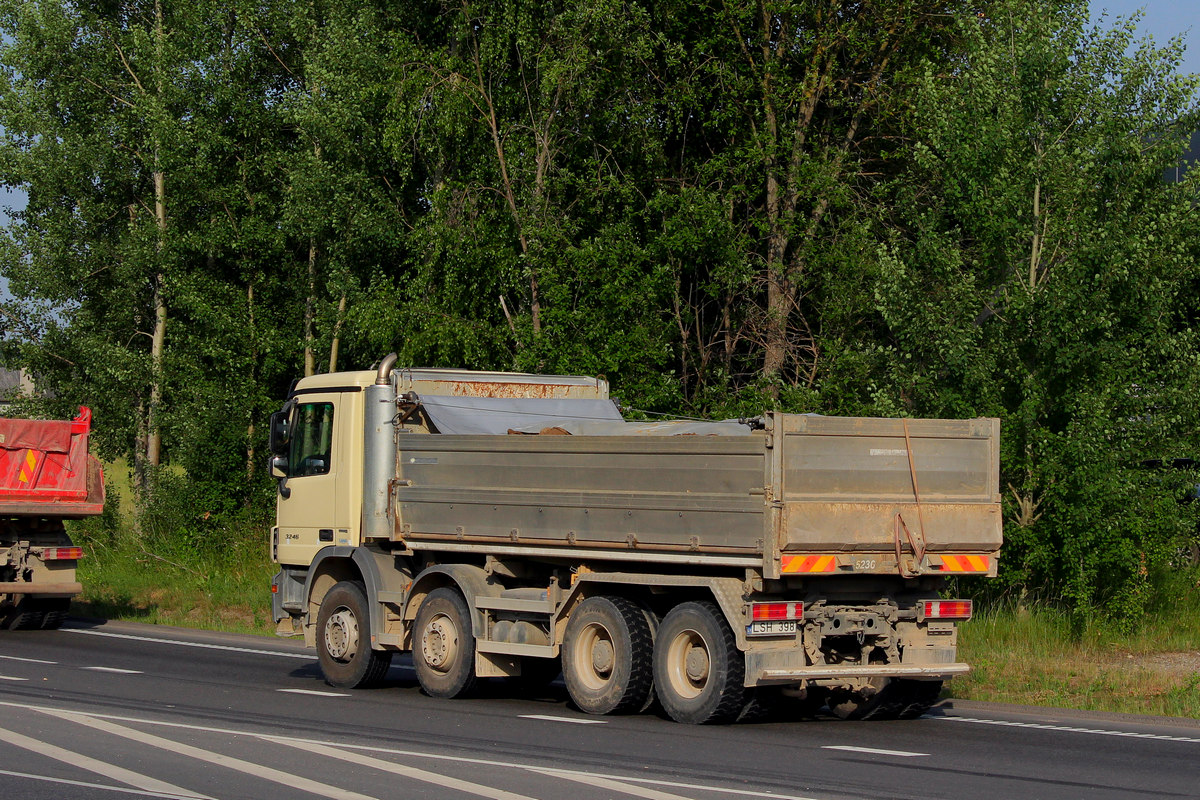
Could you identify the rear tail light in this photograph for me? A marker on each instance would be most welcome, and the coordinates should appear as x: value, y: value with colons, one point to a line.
x: 772, y: 611
x: 62, y: 553
x: 947, y: 609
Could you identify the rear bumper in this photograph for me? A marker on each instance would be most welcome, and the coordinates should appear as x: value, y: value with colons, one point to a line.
x: 41, y: 589
x: 823, y: 671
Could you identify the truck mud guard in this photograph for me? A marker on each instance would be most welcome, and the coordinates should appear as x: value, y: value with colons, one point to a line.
x: 469, y: 579
x: 379, y: 579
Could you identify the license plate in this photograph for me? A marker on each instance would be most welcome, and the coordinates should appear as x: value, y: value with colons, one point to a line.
x: 771, y: 627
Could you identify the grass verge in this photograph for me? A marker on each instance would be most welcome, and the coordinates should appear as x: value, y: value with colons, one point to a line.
x: 220, y: 589
x: 1032, y: 657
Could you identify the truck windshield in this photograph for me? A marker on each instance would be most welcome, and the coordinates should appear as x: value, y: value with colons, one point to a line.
x: 312, y: 440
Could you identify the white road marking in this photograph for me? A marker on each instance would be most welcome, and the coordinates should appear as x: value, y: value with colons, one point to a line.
x: 11, y: 678
x: 125, y: 790
x: 610, y: 784
x: 180, y: 643
x: 1065, y: 729
x: 111, y: 771
x: 408, y: 772
x: 209, y: 757
x: 550, y: 718
x: 27, y: 660
x: 482, y: 762
x: 313, y: 692
x: 872, y: 751
x: 116, y: 670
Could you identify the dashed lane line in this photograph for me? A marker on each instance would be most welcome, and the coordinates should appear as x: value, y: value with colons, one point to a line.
x: 1067, y: 729
x: 111, y: 771
x: 576, y: 721
x: 872, y: 751
x: 408, y: 772
x: 209, y: 757
x: 27, y: 660
x: 125, y: 790
x: 181, y: 643
x: 12, y: 678
x: 313, y: 692
x: 116, y: 670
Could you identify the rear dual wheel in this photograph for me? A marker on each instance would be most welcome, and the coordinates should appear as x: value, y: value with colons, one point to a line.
x: 32, y: 613
x: 607, y: 656
x: 896, y: 698
x: 698, y: 669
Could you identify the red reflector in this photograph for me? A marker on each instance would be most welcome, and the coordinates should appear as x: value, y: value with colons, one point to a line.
x: 947, y: 609
x: 62, y: 553
x: 765, y: 611
x: 274, y: 589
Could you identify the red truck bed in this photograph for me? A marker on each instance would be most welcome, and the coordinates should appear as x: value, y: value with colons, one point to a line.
x: 45, y: 469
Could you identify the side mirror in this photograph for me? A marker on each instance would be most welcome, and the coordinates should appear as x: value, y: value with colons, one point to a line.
x: 280, y: 431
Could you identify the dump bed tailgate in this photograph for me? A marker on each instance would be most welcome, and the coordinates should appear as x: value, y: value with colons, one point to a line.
x: 926, y: 489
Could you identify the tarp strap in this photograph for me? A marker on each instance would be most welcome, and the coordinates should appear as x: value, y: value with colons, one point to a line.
x: 917, y: 543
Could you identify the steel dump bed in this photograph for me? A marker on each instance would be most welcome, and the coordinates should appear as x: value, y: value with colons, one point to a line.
x: 45, y: 469
x: 807, y: 494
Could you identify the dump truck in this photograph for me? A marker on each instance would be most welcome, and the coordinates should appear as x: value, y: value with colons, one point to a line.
x: 511, y: 525
x: 46, y: 476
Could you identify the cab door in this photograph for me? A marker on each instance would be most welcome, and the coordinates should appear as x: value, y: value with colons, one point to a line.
x: 307, y: 513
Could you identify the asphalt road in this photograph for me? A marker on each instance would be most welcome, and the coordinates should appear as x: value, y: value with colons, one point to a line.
x: 120, y: 710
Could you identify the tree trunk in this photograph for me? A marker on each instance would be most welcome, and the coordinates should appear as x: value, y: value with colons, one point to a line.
x: 251, y: 455
x: 310, y: 310
x: 159, y: 333
x: 337, y: 332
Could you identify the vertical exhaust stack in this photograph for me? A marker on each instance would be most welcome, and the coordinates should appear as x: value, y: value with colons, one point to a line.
x: 379, y: 451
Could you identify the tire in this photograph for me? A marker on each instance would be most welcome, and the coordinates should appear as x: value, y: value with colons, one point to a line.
x: 918, y: 697
x: 898, y: 698
x: 607, y: 656
x: 55, y: 610
x: 444, y: 645
x: 25, y: 615
x: 879, y: 704
x: 698, y: 670
x: 344, y: 640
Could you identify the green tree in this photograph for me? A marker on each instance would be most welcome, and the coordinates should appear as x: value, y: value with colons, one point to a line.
x: 1039, y: 268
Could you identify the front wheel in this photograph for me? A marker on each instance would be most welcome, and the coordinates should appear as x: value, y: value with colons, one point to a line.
x: 698, y: 670
x: 443, y: 645
x: 344, y: 640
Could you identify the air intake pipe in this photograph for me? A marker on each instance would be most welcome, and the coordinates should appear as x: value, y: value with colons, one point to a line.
x: 379, y: 451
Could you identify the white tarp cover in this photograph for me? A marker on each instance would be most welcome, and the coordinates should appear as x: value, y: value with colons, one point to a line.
x: 499, y: 415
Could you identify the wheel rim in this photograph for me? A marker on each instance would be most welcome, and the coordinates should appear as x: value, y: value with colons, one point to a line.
x: 594, y: 656
x: 341, y: 634
x: 439, y: 643
x: 688, y: 664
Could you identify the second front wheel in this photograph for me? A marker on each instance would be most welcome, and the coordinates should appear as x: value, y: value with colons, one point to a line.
x: 443, y: 645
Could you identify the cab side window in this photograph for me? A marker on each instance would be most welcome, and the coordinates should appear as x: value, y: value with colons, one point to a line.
x: 312, y: 440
